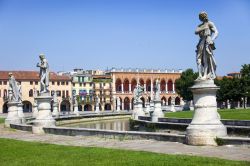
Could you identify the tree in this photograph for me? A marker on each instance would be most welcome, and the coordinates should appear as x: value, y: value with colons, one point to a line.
x: 245, y: 82
x: 184, y: 83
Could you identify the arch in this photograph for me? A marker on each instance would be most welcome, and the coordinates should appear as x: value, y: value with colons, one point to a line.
x: 126, y: 103
x: 87, y: 107
x: 126, y: 85
x: 133, y: 84
x: 169, y: 100
x: 148, y: 85
x: 170, y: 85
x: 5, y: 107
x: 163, y: 85
x: 65, y: 106
x: 27, y: 106
x: 79, y: 107
x: 143, y: 101
x: 177, y: 101
x: 141, y: 82
x: 163, y: 100
x: 107, y: 107
x: 118, y: 85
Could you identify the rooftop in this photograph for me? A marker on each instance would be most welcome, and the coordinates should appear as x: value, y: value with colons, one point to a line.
x: 31, y: 75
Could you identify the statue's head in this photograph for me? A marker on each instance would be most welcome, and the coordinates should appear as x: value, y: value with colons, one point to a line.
x: 203, y: 16
x: 42, y: 56
x: 10, y: 74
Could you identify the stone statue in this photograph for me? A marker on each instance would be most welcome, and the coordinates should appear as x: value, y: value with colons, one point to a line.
x: 204, y: 53
x: 157, y: 90
x: 55, y: 100
x: 44, y: 74
x: 75, y: 99
x: 138, y: 93
x: 13, y: 90
x: 97, y: 100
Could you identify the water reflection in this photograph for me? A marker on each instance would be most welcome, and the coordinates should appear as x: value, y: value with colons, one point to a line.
x: 117, y: 124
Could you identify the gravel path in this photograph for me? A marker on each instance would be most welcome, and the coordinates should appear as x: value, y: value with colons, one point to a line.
x: 224, y: 152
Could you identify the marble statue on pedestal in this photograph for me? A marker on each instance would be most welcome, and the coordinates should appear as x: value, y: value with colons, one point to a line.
x: 138, y: 110
x: 206, y: 125
x: 14, y: 98
x: 44, y: 74
x: 75, y: 103
x: 44, y: 117
x: 157, y: 113
x: 204, y: 53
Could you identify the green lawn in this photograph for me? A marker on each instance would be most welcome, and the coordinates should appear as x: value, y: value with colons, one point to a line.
x: 22, y: 153
x: 2, y: 120
x: 240, y: 114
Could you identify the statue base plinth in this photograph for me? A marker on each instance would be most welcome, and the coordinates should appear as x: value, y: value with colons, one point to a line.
x: 138, y: 110
x: 12, y: 116
x: 44, y: 117
x: 76, y: 112
x: 206, y: 124
x: 157, y: 111
x: 55, y: 110
x: 20, y: 112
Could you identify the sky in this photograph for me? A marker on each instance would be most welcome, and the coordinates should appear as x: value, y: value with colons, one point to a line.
x: 101, y: 34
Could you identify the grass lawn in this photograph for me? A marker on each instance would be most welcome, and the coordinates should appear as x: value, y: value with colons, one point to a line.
x: 2, y: 120
x: 240, y: 114
x: 13, y: 152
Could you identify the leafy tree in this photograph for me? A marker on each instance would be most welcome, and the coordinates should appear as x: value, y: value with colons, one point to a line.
x: 245, y: 82
x: 184, y: 83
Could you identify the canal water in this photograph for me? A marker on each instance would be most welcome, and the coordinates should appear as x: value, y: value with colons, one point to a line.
x: 114, y: 124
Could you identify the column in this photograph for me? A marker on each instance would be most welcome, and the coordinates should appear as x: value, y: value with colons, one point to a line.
x: 166, y: 87
x: 151, y: 89
x: 129, y: 86
x: 122, y: 88
x: 130, y: 105
x: 173, y: 87
x: 145, y: 87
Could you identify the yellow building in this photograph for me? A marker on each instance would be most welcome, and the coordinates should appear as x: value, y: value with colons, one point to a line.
x: 29, y: 81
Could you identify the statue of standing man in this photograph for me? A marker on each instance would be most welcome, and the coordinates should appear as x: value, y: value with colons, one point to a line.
x: 44, y: 74
x: 14, y: 94
x: 204, y: 53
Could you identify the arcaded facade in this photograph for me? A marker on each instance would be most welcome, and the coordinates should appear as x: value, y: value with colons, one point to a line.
x: 124, y: 82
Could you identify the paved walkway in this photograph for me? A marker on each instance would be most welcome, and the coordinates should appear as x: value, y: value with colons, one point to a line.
x: 224, y: 152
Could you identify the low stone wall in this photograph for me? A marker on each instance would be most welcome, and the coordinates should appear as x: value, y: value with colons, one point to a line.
x: 234, y: 127
x: 22, y: 127
x: 114, y: 134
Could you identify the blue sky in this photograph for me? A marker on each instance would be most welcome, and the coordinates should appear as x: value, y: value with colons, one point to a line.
x: 100, y: 34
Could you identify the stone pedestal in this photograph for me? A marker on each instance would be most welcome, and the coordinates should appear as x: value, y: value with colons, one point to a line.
x: 97, y: 109
x: 138, y: 110
x: 35, y: 110
x: 172, y: 108
x: 20, y: 112
x: 118, y: 108
x: 147, y: 109
x: 12, y: 116
x: 157, y: 111
x: 55, y: 110
x: 76, y: 112
x: 206, y: 124
x: 44, y: 118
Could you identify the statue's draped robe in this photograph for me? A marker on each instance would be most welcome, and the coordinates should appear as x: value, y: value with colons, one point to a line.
x: 14, y: 89
x: 204, y: 52
x: 44, y: 73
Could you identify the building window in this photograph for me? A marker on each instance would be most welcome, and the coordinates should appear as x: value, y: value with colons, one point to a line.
x: 73, y: 84
x: 31, y: 82
x: 90, y: 84
x: 52, y: 93
x: 31, y: 93
x: 58, y: 83
x: 80, y: 84
x: 0, y: 93
x: 5, y: 82
x: 67, y: 93
x: 104, y: 84
x: 58, y: 93
x: 53, y: 82
x: 5, y: 93
x: 84, y: 84
x: 67, y: 83
x: 36, y: 82
x: 0, y: 82
x: 63, y: 83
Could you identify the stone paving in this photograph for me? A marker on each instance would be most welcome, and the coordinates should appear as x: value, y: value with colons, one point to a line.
x: 224, y: 152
